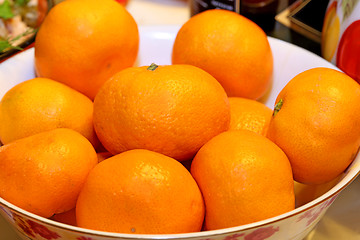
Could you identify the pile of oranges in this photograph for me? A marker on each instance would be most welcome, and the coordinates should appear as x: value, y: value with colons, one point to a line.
x: 95, y: 142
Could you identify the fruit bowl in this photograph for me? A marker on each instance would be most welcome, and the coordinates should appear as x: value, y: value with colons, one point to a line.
x: 155, y: 46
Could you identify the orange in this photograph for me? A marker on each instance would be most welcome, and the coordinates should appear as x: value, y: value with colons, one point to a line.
x: 83, y: 42
x: 45, y: 172
x: 305, y: 193
x: 68, y: 217
x: 41, y: 104
x: 317, y: 125
x: 140, y: 191
x: 171, y: 109
x: 230, y: 47
x: 244, y: 178
x: 103, y: 155
x: 249, y: 114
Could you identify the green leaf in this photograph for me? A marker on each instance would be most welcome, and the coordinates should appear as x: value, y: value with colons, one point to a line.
x: 152, y: 67
x: 4, y: 44
x: 5, y: 10
x: 21, y: 2
x: 7, y: 44
x: 278, y: 106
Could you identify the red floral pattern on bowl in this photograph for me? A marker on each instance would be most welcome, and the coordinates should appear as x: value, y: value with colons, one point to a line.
x: 48, y: 229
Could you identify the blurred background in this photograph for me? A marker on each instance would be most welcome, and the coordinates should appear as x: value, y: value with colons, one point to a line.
x: 19, y: 19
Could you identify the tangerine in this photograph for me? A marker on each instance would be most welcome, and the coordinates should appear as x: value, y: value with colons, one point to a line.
x: 44, y: 173
x: 42, y: 104
x: 249, y: 114
x: 316, y: 123
x: 171, y: 109
x: 244, y: 178
x: 140, y: 191
x: 83, y: 42
x: 230, y: 47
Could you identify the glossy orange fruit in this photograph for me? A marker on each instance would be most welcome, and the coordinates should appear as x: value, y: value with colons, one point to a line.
x: 171, y: 109
x: 140, y: 191
x: 250, y: 115
x: 244, y: 178
x: 103, y: 155
x: 42, y: 104
x: 83, y: 42
x: 317, y: 124
x: 68, y: 217
x: 230, y: 47
x: 45, y: 172
x: 305, y: 193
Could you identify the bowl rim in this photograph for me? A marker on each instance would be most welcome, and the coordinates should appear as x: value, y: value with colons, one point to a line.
x: 349, y: 175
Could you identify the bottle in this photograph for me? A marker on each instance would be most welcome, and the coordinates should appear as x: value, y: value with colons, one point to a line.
x: 238, y: 6
x: 197, y: 6
x: 261, y: 12
x: 340, y: 36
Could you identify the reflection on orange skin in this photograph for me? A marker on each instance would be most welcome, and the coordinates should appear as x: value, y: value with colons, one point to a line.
x: 305, y: 193
x: 103, y: 155
x: 68, y: 217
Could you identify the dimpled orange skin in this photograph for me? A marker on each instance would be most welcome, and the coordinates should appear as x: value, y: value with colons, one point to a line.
x: 42, y: 104
x: 244, y: 178
x: 249, y: 114
x: 140, y: 191
x: 318, y: 124
x: 45, y: 172
x: 172, y: 110
x: 83, y: 42
x: 230, y: 47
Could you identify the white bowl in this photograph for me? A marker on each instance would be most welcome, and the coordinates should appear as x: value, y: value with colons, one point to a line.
x: 155, y: 46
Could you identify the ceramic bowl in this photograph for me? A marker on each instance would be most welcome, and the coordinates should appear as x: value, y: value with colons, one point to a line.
x: 156, y: 44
